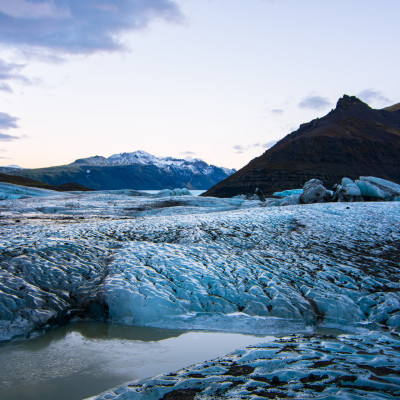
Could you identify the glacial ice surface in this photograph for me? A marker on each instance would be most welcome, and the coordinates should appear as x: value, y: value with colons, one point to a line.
x: 174, y: 192
x: 216, y: 264
x: 377, y: 187
x: 9, y: 191
x: 290, y: 192
x: 197, y: 263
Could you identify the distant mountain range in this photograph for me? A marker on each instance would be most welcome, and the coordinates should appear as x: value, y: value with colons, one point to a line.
x: 138, y: 170
x: 352, y: 140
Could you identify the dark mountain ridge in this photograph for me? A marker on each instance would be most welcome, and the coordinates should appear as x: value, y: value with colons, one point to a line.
x: 22, y: 181
x: 351, y: 140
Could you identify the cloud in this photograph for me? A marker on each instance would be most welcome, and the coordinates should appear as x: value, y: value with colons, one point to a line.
x: 5, y: 87
x: 10, y: 72
x: 7, y: 121
x: 269, y: 144
x: 4, y: 157
x: 370, y: 95
x: 314, y: 102
x: 28, y: 9
x: 50, y: 29
x: 277, y: 111
x: 241, y: 148
x: 4, y: 137
x: 188, y: 155
x: 78, y: 26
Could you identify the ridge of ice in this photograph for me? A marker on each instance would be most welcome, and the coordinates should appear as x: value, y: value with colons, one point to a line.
x: 9, y: 191
x: 377, y: 187
x: 287, y: 193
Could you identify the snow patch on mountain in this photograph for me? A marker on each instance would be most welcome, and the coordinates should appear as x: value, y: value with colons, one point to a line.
x: 11, y: 166
x: 195, y: 166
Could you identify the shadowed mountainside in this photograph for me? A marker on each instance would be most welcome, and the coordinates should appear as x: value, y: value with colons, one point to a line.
x: 352, y: 140
x: 22, y: 181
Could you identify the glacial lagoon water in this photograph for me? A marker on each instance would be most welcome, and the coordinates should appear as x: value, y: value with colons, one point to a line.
x: 81, y: 359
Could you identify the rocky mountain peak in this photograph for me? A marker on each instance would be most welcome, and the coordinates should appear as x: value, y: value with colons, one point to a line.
x: 347, y: 102
x: 350, y: 141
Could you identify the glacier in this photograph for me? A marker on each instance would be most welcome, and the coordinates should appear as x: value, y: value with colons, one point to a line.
x: 218, y: 264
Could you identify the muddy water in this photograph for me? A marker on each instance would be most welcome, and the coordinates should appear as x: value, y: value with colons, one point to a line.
x: 85, y: 358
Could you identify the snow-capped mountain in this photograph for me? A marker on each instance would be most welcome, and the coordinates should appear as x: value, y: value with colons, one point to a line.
x: 141, y: 157
x: 137, y: 170
x: 10, y: 168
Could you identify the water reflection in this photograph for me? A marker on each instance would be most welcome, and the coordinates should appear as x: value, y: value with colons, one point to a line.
x: 81, y: 359
x: 94, y: 330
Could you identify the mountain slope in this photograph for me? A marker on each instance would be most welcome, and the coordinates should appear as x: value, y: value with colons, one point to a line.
x: 137, y: 170
x: 352, y: 140
x: 23, y: 181
x: 394, y: 107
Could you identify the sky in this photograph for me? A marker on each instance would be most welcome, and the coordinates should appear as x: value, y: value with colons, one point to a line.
x: 220, y: 80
